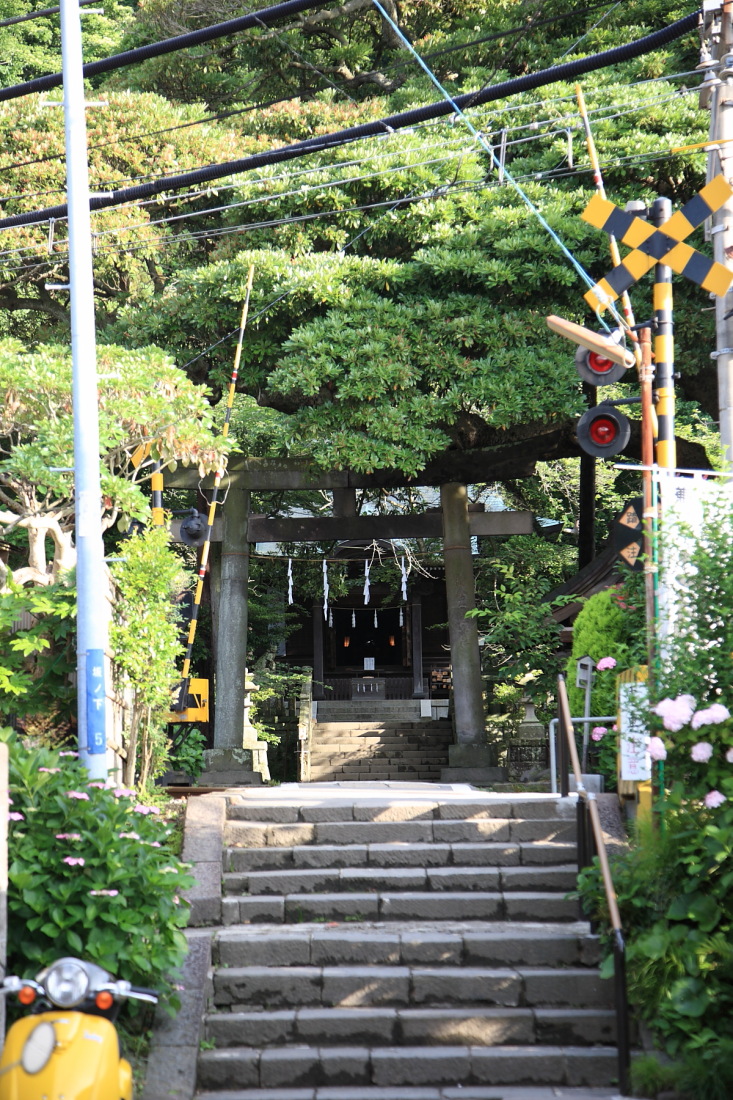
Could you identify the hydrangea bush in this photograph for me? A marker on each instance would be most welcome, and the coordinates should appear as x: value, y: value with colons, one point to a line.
x: 675, y: 888
x: 91, y: 874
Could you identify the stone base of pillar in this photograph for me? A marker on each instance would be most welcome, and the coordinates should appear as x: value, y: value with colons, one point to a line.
x: 472, y: 764
x: 229, y: 768
x: 259, y: 755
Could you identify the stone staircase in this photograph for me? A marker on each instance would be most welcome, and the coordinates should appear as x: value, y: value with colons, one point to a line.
x: 389, y: 941
x: 378, y: 740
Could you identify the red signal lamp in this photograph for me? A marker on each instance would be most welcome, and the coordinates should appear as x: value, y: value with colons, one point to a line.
x: 597, y: 368
x: 603, y: 431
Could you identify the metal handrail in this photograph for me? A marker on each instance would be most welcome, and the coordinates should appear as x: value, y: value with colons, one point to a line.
x: 590, y: 843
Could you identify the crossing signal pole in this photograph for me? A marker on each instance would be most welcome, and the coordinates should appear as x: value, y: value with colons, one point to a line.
x: 664, y: 348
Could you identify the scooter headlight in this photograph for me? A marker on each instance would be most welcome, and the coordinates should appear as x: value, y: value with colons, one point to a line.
x: 38, y: 1048
x: 66, y: 983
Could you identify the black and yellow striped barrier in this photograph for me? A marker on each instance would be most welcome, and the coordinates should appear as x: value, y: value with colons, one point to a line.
x: 659, y: 245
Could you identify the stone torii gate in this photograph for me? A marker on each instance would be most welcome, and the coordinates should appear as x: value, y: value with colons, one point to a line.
x: 237, y: 528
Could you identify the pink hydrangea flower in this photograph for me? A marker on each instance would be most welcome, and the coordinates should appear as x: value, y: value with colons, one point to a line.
x: 104, y: 893
x: 68, y: 836
x: 598, y: 732
x: 710, y: 716
x: 713, y: 799
x: 81, y: 795
x: 140, y: 809
x: 100, y: 786
x: 129, y: 836
x: 701, y: 752
x: 123, y: 792
x: 74, y: 861
x: 15, y: 816
x: 729, y: 756
x: 675, y: 713
x: 152, y: 843
x: 606, y: 663
x: 51, y: 771
x: 657, y: 749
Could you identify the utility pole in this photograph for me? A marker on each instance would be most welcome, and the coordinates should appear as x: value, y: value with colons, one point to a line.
x: 91, y: 622
x: 717, y: 92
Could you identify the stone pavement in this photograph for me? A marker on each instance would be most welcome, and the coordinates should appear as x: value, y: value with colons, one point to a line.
x: 385, y: 941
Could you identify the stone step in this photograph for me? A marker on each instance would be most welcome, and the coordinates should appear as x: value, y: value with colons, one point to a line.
x: 375, y: 708
x: 426, y: 1092
x: 343, y: 1068
x: 371, y: 774
x: 376, y: 748
x: 381, y: 879
x: 397, y: 854
x: 272, y: 987
x: 390, y: 1026
x: 430, y: 726
x: 258, y: 834
x: 438, y: 905
x: 477, y: 943
x: 277, y: 805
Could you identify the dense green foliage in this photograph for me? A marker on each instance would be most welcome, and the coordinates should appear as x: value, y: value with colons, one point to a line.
x: 37, y: 657
x: 89, y: 874
x: 145, y: 639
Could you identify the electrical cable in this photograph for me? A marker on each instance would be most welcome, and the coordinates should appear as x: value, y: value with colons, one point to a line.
x: 168, y: 45
x: 40, y: 14
x: 567, y: 71
x: 575, y: 45
x: 490, y: 149
x: 543, y: 103
x: 441, y: 191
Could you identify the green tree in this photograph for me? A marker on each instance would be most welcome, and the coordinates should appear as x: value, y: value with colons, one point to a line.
x: 143, y: 399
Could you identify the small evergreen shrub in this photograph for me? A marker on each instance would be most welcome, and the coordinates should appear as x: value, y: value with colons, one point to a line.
x: 90, y: 874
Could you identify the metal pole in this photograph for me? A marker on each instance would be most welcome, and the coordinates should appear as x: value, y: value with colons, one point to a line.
x: 721, y: 131
x: 646, y: 379
x: 664, y: 348
x: 91, y: 625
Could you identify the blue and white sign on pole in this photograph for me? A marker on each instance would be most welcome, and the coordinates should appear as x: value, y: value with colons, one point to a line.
x: 96, y: 702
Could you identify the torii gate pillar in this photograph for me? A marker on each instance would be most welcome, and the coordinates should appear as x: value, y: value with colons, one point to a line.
x: 229, y: 763
x: 470, y: 757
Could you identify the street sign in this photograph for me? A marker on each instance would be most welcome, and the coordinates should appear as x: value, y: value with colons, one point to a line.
x: 659, y: 245
x: 627, y: 533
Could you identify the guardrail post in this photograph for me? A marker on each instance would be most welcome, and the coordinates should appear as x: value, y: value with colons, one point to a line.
x: 623, y: 1044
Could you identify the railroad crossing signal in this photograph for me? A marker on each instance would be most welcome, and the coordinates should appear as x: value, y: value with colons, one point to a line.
x: 663, y: 245
x: 628, y: 533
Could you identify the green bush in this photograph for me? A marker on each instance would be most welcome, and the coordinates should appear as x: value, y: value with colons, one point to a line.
x: 676, y: 903
x: 610, y: 624
x: 90, y: 874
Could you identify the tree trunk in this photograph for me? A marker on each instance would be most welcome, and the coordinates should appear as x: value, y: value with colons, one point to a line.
x: 128, y: 772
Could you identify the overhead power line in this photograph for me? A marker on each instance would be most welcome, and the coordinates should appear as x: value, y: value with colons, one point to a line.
x: 569, y: 71
x: 38, y: 14
x: 168, y: 45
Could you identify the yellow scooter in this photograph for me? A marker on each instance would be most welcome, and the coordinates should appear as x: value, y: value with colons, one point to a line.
x: 68, y: 1049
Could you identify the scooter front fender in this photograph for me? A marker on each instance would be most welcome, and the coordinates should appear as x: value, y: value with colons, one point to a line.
x: 85, y: 1063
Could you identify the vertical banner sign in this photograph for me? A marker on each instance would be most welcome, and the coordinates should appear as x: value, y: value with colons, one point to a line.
x: 635, y: 764
x: 96, y: 701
